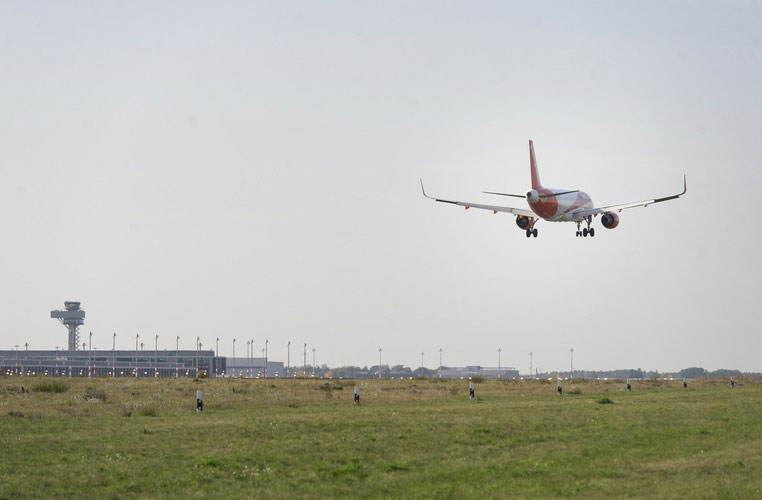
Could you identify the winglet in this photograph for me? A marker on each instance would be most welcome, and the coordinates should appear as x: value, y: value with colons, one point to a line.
x: 424, y: 191
x: 685, y: 184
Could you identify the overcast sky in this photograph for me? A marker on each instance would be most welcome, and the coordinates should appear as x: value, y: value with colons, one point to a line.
x: 250, y: 170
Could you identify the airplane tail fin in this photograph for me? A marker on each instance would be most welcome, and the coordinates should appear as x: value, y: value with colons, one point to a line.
x: 536, y: 184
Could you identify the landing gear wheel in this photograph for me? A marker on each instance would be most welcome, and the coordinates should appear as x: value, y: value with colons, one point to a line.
x: 534, y: 233
x: 529, y: 233
x: 584, y: 232
x: 592, y: 232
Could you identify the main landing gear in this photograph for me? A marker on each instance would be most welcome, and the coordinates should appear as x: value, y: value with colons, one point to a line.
x: 531, y: 232
x: 587, y: 230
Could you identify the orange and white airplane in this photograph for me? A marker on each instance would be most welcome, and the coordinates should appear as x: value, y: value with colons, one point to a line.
x: 558, y: 205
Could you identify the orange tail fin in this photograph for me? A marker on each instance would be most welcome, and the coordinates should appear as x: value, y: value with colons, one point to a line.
x: 536, y: 184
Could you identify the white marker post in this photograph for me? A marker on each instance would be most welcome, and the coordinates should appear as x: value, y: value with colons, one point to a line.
x: 560, y: 390
x: 629, y: 387
x: 732, y: 382
x: 199, y: 401
x: 357, y: 394
x: 471, y: 390
x: 685, y: 383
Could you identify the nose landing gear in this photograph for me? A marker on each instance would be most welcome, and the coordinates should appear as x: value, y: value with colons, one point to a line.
x: 531, y: 232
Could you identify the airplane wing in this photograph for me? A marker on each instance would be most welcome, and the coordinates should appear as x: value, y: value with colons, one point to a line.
x: 619, y: 208
x: 495, y: 208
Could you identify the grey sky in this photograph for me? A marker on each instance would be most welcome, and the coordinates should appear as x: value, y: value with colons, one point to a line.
x: 251, y: 170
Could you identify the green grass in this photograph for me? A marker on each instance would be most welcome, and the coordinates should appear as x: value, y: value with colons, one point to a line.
x: 417, y: 438
x: 50, y: 385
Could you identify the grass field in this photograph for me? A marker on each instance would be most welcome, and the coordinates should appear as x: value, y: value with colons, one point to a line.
x: 128, y: 438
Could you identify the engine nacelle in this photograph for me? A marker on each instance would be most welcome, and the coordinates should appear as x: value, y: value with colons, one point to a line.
x: 533, y: 196
x: 524, y: 222
x: 610, y: 220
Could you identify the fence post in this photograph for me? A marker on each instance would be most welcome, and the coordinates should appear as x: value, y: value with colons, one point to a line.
x: 560, y: 390
x: 357, y: 394
x: 470, y: 390
x: 199, y: 401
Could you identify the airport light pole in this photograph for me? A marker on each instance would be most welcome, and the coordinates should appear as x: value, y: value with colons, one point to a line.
x: 198, y: 348
x: 379, y: 362
x: 571, y: 368
x: 177, y: 356
x: 288, y: 359
x: 262, y: 373
x: 304, y: 372
x: 216, y: 355
x: 89, y: 357
x: 248, y: 363
x: 266, y: 342
x: 499, y: 351
x: 233, y: 369
x: 440, y: 362
x: 17, y: 360
x: 113, y: 357
x: 421, y: 363
x: 58, y: 374
x: 313, y: 361
x: 156, y: 356
x: 137, y: 336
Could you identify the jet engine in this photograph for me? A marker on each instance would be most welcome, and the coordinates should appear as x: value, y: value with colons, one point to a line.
x: 610, y: 220
x: 523, y: 221
x: 533, y: 196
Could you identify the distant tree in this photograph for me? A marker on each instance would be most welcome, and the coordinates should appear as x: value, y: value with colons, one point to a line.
x: 693, y: 372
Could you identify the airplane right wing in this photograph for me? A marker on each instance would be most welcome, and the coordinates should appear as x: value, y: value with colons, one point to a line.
x: 495, y: 208
x: 619, y: 208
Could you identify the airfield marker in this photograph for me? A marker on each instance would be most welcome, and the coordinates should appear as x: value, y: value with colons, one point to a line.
x: 560, y: 390
x: 357, y: 394
x: 732, y: 382
x: 629, y: 387
x: 471, y: 390
x: 685, y: 383
x: 199, y: 401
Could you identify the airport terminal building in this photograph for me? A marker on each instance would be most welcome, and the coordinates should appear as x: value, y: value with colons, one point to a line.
x: 112, y: 363
x: 255, y: 368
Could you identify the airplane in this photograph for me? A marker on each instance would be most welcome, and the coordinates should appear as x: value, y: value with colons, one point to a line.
x: 558, y: 205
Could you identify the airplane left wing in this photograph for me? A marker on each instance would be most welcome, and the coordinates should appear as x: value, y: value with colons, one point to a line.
x: 619, y: 208
x: 494, y: 208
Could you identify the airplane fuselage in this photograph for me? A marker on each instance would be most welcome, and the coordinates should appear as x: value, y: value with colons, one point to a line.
x: 558, y: 208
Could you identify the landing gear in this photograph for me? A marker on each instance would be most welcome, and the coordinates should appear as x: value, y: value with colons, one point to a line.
x: 587, y: 230
x: 531, y: 232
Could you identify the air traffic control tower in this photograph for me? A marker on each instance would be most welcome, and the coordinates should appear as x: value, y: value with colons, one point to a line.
x: 71, y: 318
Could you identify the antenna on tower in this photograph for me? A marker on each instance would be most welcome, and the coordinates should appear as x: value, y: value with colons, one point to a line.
x: 72, y: 318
